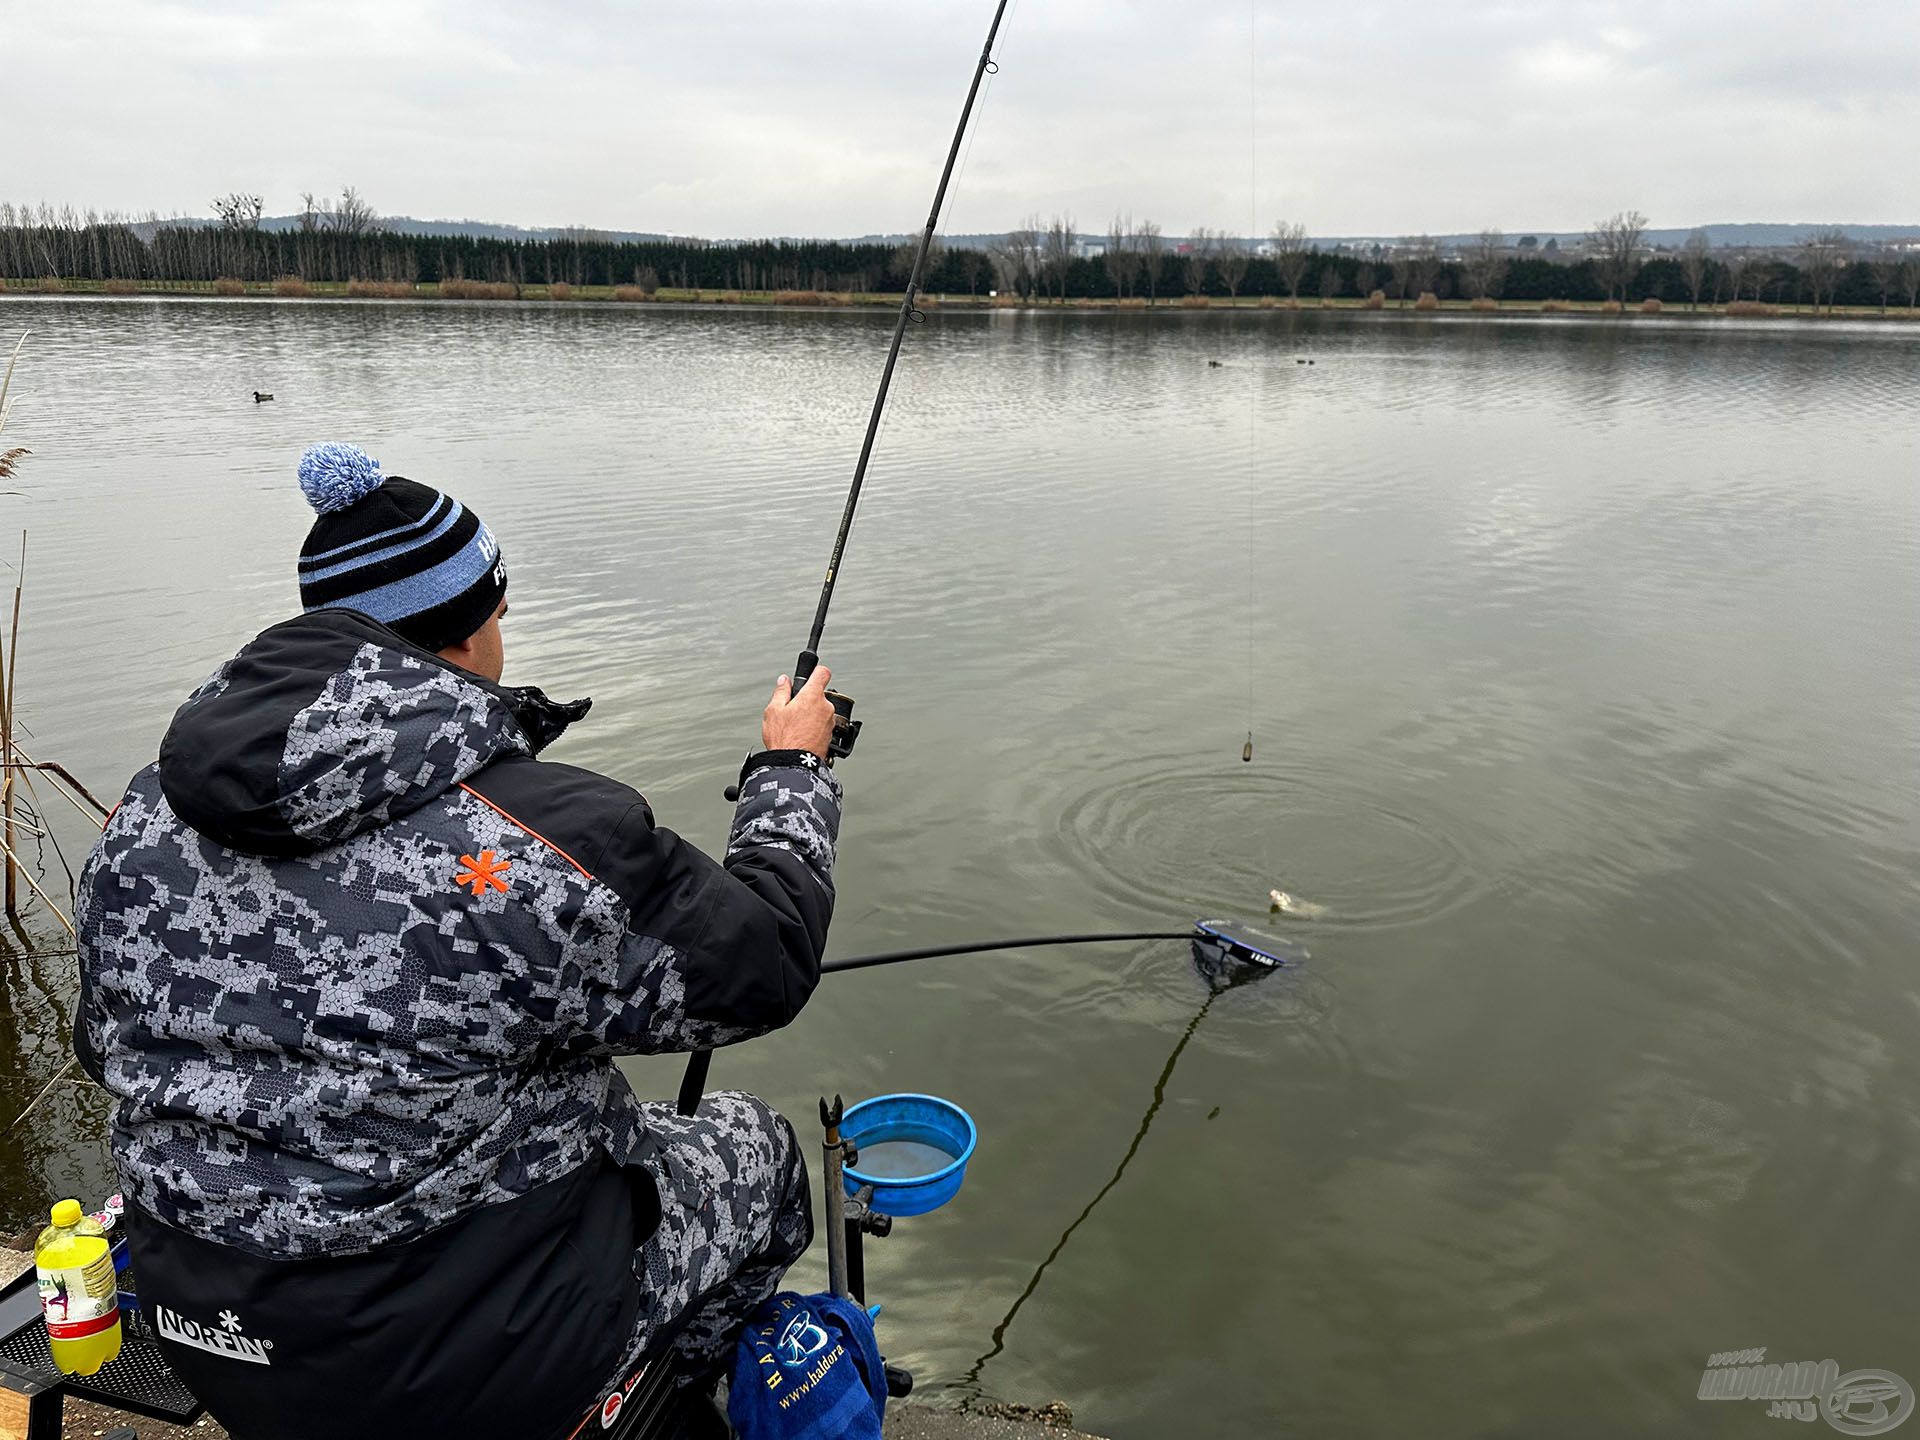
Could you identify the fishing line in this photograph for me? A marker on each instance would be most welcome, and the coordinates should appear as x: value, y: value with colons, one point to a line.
x: 1219, y: 981
x: 971, y: 1380
x: 986, y: 94
x: 1253, y: 371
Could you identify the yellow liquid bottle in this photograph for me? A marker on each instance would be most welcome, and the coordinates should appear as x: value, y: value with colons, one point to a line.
x: 79, y: 1295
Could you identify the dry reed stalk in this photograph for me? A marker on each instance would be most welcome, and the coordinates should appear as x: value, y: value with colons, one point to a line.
x: 1553, y: 307
x: 290, y: 287
x: 798, y: 297
x: 1427, y: 301
x: 629, y: 294
x: 120, y: 287
x: 7, y: 776
x: 1751, y: 307
x: 12, y: 894
x: 60, y: 772
x: 51, y: 284
x: 559, y: 290
x: 379, y: 290
x: 15, y: 865
x: 1611, y: 307
x: 1651, y: 305
x: 1194, y: 302
x: 1484, y: 302
x: 1377, y: 300
x: 228, y: 285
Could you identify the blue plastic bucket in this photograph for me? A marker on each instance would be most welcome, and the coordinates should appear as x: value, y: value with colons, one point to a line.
x: 932, y: 1127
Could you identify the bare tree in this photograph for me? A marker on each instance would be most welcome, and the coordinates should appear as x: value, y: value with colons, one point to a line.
x: 1059, y: 254
x: 1197, y: 257
x: 1884, y: 266
x: 1822, y: 256
x: 1291, y: 253
x: 1693, y: 264
x: 1232, y: 265
x: 1017, y: 258
x: 1739, y: 267
x: 310, y: 211
x: 1486, y: 267
x: 1119, y: 258
x: 1615, y: 243
x: 352, y: 215
x: 1414, y: 264
x: 239, y: 211
x: 1363, y: 280
x: 1150, y: 245
x: 1329, y: 280
x: 1910, y: 276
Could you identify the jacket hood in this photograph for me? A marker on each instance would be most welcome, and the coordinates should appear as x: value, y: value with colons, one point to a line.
x: 330, y: 724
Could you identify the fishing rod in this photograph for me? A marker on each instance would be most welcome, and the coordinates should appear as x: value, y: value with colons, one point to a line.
x: 934, y: 952
x: 846, y: 729
x: 1221, y: 948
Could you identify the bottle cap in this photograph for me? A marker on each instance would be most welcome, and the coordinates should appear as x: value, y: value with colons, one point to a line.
x: 66, y: 1212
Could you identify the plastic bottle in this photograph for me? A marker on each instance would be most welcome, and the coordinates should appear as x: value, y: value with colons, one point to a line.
x: 78, y: 1295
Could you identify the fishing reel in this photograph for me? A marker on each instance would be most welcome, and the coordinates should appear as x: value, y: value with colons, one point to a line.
x: 846, y: 729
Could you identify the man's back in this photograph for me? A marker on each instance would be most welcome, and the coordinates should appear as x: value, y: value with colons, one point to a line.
x: 355, y: 962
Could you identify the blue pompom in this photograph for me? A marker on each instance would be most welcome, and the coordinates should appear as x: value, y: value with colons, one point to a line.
x: 334, y: 475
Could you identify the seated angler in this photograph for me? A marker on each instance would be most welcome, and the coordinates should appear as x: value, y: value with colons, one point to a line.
x: 355, y: 968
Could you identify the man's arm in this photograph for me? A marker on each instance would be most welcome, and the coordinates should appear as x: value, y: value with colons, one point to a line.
x: 717, y: 951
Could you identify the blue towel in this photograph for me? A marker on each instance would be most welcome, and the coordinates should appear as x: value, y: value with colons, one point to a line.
x: 808, y: 1368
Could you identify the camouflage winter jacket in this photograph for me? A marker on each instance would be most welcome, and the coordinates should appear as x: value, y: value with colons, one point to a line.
x: 355, y: 963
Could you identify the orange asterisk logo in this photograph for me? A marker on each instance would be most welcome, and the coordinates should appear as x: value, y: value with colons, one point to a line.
x: 482, y: 874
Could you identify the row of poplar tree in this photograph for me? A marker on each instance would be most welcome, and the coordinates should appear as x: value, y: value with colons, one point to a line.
x: 345, y: 240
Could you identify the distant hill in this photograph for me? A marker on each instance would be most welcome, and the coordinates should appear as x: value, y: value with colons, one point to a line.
x: 1764, y: 235
x: 477, y: 229
x: 1757, y: 235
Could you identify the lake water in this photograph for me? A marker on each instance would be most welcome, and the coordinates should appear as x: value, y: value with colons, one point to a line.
x: 1580, y: 661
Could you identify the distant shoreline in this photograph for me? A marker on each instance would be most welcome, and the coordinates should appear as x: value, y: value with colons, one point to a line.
x: 591, y: 295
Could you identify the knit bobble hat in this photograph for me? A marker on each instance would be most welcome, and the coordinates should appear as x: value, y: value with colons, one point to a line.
x: 411, y: 557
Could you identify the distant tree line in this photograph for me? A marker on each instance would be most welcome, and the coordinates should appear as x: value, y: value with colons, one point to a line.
x: 1137, y: 261
x: 342, y: 240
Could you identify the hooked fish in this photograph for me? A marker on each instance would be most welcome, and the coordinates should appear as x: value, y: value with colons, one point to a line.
x: 1285, y: 904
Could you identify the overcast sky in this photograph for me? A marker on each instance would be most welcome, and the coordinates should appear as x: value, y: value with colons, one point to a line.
x: 829, y: 117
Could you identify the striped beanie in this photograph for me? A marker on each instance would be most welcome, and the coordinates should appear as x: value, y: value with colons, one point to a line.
x: 411, y: 557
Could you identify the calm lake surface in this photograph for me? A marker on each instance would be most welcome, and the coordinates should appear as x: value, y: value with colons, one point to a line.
x: 1581, y: 663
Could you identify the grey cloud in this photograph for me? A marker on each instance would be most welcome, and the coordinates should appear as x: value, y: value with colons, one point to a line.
x: 807, y: 117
